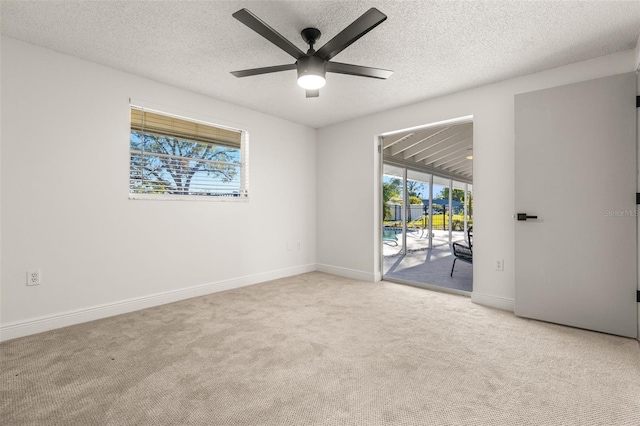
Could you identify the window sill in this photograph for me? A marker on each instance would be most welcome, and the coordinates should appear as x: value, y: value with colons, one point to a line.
x: 162, y: 197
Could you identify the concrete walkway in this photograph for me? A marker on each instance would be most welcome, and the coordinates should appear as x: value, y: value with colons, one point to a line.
x: 421, y: 265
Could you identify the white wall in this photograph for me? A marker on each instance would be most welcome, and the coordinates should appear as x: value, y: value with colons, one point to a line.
x: 99, y: 252
x: 65, y: 206
x: 348, y: 173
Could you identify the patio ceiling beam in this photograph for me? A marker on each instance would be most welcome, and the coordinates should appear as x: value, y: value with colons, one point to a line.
x: 465, y: 165
x: 456, y: 168
x: 389, y: 141
x: 449, y: 162
x: 462, y: 168
x: 425, y: 148
x: 459, y: 152
x: 415, y: 139
x: 459, y: 143
x: 452, y: 152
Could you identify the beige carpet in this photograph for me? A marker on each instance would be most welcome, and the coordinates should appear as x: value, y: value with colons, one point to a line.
x: 316, y: 349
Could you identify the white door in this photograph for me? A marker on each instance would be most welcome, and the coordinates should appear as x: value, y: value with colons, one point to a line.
x: 575, y: 169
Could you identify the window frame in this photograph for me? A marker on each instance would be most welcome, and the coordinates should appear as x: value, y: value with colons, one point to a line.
x: 200, y: 119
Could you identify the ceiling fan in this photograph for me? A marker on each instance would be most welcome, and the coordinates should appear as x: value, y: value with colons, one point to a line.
x: 313, y: 65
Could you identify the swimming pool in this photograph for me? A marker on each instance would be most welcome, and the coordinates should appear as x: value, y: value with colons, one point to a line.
x: 390, y: 233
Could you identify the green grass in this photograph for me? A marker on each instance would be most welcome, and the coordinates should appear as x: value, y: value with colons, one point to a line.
x: 439, y: 222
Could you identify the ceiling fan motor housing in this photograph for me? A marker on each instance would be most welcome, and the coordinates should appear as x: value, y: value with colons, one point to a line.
x: 311, y: 65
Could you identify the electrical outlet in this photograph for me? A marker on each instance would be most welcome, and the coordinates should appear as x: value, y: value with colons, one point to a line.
x: 33, y: 277
x: 500, y: 265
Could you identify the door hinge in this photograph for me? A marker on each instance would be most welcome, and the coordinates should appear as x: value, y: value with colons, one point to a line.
x: 379, y: 149
x: 637, y: 197
x: 638, y: 296
x: 637, y: 101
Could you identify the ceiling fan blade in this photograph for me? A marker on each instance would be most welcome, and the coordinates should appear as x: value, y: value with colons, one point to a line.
x: 259, y: 26
x: 358, y: 70
x: 263, y: 70
x: 313, y: 93
x: 365, y: 23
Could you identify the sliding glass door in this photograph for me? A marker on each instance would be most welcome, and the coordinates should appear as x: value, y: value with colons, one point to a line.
x: 394, y: 211
x: 423, y: 215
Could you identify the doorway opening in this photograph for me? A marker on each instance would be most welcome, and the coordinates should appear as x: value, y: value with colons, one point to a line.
x: 427, y: 206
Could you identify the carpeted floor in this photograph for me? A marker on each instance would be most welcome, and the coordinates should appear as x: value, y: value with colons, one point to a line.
x: 316, y: 349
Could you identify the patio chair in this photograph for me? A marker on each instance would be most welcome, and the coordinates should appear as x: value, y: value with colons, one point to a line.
x: 462, y: 251
x: 390, y: 241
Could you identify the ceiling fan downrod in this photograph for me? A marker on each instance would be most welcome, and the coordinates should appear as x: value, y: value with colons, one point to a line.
x: 310, y: 36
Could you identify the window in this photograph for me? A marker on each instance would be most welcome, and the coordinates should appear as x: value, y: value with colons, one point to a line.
x: 173, y: 157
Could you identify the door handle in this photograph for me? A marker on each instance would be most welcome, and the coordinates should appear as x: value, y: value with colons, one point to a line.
x: 524, y: 216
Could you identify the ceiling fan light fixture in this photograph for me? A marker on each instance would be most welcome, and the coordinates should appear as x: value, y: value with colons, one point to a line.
x: 311, y: 81
x: 311, y: 73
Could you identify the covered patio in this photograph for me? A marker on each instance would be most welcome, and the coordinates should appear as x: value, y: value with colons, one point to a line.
x: 431, y: 267
x: 426, y: 258
x: 428, y: 203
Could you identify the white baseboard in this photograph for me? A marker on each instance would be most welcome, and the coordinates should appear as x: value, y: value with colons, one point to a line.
x: 38, y: 325
x: 493, y: 301
x: 348, y: 273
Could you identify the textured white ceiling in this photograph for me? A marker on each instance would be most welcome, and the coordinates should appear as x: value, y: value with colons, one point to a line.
x: 433, y: 47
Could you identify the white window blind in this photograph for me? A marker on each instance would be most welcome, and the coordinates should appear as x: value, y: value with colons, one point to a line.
x: 180, y: 158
